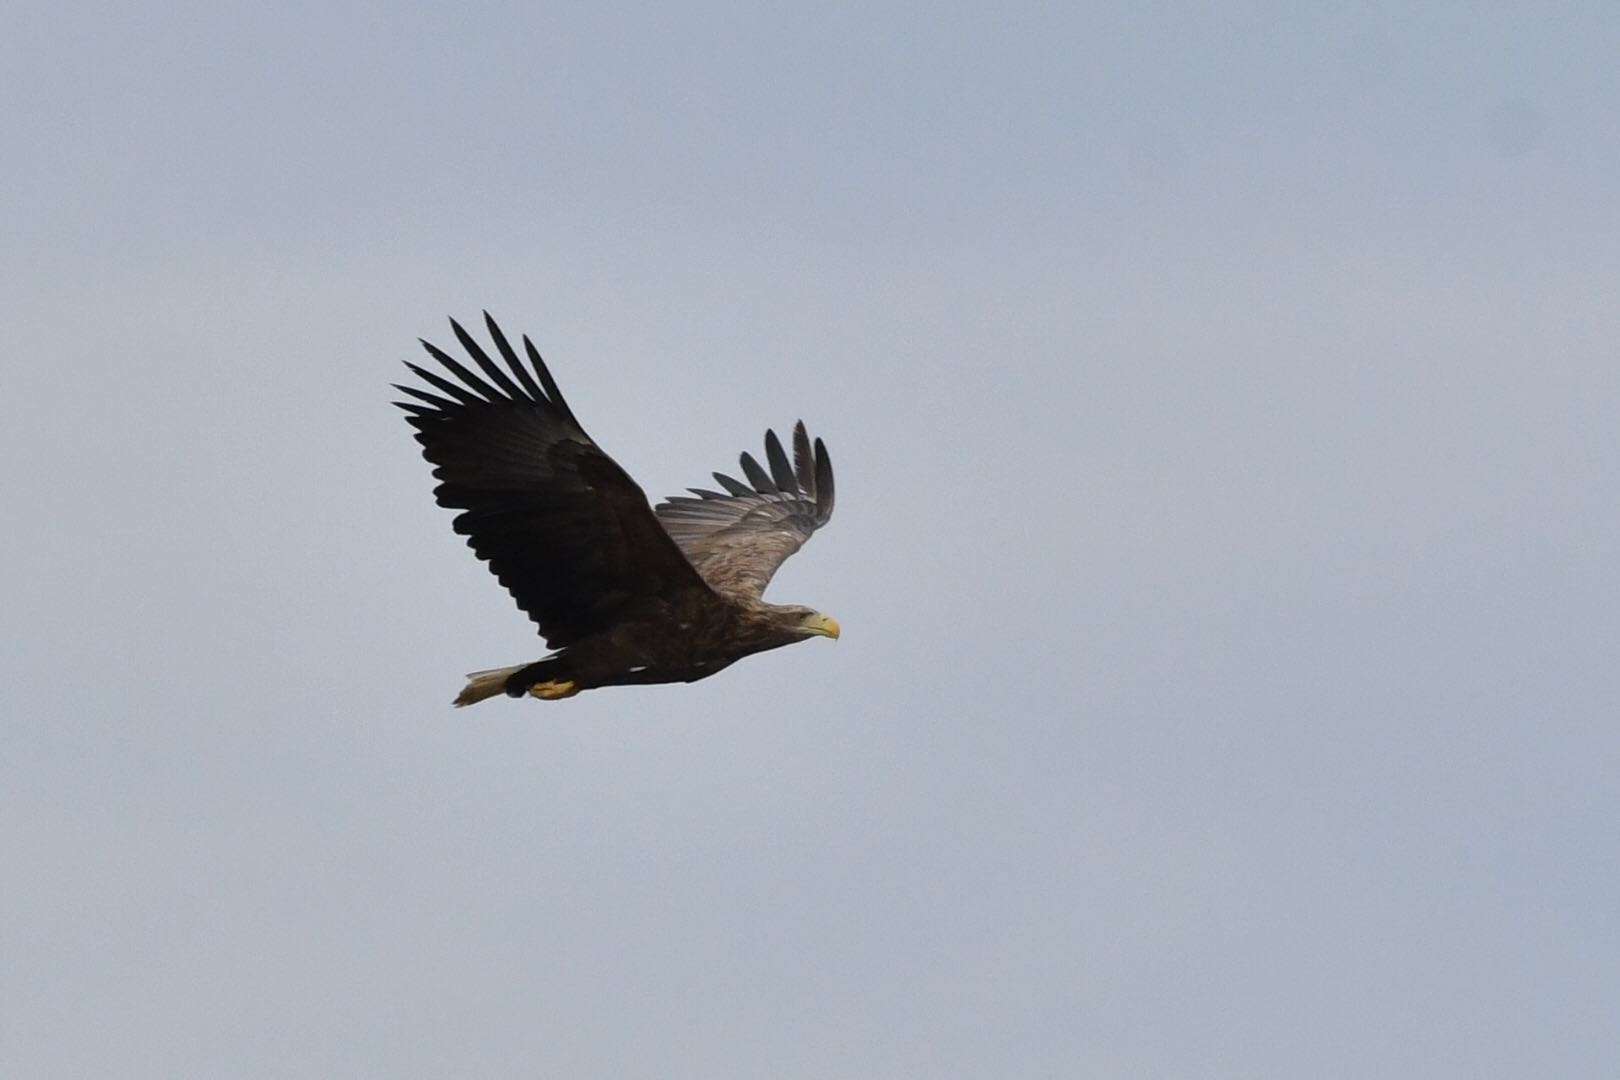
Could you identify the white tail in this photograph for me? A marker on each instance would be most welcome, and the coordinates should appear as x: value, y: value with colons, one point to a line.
x: 486, y: 684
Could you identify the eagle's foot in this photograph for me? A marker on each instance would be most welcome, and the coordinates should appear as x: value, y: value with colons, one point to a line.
x: 554, y: 689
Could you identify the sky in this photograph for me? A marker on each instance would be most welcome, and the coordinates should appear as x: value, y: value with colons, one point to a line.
x: 1223, y: 402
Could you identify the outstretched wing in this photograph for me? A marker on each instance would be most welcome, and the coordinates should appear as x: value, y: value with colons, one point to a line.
x: 737, y: 538
x: 561, y: 525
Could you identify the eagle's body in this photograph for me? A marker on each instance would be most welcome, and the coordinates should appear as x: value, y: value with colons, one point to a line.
x: 622, y: 593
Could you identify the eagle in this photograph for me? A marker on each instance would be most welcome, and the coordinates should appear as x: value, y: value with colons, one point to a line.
x: 623, y: 593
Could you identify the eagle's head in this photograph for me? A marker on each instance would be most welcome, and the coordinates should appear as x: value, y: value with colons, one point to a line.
x: 798, y: 622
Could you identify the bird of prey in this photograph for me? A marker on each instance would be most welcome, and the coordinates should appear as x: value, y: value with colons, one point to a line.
x: 622, y: 593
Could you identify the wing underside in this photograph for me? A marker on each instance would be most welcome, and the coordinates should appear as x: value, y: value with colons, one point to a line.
x: 563, y: 527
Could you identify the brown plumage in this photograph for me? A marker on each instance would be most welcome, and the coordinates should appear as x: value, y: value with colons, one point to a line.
x: 621, y: 593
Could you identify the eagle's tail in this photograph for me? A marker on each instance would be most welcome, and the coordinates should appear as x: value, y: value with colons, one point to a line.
x: 486, y: 684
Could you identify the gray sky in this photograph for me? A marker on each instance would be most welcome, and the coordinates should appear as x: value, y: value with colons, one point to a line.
x: 1224, y: 403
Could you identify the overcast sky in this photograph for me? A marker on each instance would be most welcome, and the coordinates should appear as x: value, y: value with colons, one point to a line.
x: 1224, y: 401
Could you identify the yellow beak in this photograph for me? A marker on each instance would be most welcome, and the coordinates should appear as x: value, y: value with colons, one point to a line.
x: 825, y: 625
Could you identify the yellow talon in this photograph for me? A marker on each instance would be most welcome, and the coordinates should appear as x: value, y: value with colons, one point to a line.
x: 554, y: 689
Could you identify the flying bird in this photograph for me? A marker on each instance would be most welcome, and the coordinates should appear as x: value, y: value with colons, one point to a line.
x: 622, y: 593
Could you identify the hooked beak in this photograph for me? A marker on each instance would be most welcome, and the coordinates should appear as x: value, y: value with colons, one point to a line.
x: 823, y: 625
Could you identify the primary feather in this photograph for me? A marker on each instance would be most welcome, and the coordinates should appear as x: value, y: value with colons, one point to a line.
x: 737, y: 540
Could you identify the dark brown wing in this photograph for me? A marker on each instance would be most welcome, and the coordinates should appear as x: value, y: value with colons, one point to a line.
x: 564, y: 528
x: 737, y: 538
